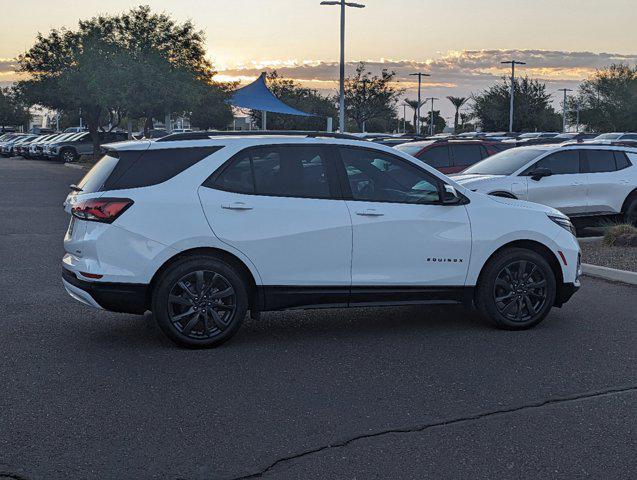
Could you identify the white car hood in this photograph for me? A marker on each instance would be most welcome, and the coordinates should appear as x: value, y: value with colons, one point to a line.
x: 471, y: 178
x: 538, y: 207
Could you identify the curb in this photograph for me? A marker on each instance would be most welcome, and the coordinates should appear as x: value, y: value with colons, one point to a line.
x: 75, y: 165
x: 589, y: 239
x: 612, y: 274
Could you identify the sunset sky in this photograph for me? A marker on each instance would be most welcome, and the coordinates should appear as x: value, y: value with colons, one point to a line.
x: 459, y: 42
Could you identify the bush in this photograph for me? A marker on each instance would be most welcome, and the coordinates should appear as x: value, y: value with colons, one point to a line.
x: 621, y: 235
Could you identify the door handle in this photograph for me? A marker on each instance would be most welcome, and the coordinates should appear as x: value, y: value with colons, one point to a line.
x: 370, y: 212
x: 236, y: 206
x: 577, y: 183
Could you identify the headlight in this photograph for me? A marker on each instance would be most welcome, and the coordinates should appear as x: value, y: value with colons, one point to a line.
x: 563, y: 222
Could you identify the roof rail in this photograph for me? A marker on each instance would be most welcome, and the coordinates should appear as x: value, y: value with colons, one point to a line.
x: 174, y: 137
x: 602, y: 143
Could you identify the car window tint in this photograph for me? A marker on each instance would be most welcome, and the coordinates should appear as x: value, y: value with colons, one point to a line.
x: 600, y: 161
x: 151, y: 167
x: 237, y: 177
x: 437, y: 157
x: 629, y: 136
x: 282, y: 170
x: 560, y: 163
x: 466, y: 154
x: 377, y: 177
x: 621, y: 160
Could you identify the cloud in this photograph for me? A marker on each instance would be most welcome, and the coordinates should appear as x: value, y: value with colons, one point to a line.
x: 458, y: 73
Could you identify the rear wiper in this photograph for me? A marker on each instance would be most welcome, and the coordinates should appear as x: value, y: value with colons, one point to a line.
x: 75, y: 188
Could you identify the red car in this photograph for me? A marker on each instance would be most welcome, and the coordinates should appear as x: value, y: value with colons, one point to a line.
x: 451, y: 156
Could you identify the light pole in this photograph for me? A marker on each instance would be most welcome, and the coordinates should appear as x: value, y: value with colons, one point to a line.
x: 513, y: 64
x: 419, y: 75
x: 565, y: 90
x: 431, y: 115
x: 577, y: 117
x: 341, y: 111
x: 405, y: 117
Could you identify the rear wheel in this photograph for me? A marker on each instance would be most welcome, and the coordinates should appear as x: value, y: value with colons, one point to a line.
x: 200, y: 302
x: 516, y: 290
x: 630, y: 216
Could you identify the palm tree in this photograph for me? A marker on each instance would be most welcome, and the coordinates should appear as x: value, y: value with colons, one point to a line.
x: 458, y: 102
x: 414, y: 104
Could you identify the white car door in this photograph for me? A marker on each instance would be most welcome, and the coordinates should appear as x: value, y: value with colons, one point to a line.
x: 402, y: 234
x: 566, y: 188
x: 277, y: 205
x: 608, y: 186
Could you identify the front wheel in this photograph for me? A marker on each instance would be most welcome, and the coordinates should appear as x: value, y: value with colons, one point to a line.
x: 516, y: 290
x: 200, y: 302
x: 69, y: 156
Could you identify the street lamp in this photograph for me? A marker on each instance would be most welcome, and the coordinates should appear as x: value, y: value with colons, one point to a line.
x: 419, y: 75
x: 341, y: 111
x: 565, y: 90
x: 405, y: 117
x: 431, y: 115
x: 513, y: 64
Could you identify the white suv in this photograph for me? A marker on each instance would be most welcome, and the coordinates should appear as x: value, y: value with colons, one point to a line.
x: 200, y: 228
x: 587, y: 182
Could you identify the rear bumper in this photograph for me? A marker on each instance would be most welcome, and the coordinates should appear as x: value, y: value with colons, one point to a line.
x: 116, y: 297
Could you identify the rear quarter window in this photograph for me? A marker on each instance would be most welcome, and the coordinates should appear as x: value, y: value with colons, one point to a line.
x: 151, y: 167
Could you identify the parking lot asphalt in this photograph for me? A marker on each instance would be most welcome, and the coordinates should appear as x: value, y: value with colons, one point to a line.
x: 410, y: 392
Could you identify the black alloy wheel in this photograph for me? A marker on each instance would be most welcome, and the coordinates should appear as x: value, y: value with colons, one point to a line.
x: 520, y: 291
x: 202, y: 304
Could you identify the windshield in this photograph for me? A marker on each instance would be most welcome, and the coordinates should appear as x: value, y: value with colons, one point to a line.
x: 608, y: 136
x: 529, y: 135
x: 412, y: 148
x: 504, y: 163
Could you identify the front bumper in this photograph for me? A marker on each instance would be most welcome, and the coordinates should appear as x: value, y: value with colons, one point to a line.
x: 116, y: 297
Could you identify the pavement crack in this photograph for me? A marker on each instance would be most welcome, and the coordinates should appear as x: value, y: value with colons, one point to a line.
x: 442, y: 423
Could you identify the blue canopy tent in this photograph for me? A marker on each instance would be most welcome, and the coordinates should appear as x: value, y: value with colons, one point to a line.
x: 257, y: 96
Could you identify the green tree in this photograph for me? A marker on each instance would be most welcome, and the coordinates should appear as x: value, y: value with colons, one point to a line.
x: 307, y: 100
x: 369, y: 97
x: 212, y: 111
x: 457, y: 102
x: 414, y: 106
x: 607, y: 100
x: 13, y: 112
x: 137, y: 64
x: 533, y: 110
x: 439, y: 123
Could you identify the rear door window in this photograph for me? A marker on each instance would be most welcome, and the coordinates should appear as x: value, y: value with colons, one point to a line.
x: 601, y: 161
x: 464, y: 155
x: 621, y: 160
x: 280, y: 170
x: 437, y: 157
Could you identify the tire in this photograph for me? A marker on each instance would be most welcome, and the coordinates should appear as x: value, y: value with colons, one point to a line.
x: 179, y: 291
x: 523, y: 302
x: 630, y: 216
x: 68, y: 155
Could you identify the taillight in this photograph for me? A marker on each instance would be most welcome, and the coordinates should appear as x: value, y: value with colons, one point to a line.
x: 104, y: 210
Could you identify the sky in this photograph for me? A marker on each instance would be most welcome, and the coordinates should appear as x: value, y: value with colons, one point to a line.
x: 459, y: 42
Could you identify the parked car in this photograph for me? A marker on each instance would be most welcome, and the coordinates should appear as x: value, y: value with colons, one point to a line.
x: 36, y: 150
x: 450, y: 156
x: 499, y: 136
x: 8, y: 148
x: 47, y: 146
x: 264, y: 222
x: 21, y: 148
x: 588, y: 183
x: 615, y: 137
x: 75, y: 129
x: 531, y: 138
x: 568, y: 137
x: 154, y: 133
x: 70, y: 149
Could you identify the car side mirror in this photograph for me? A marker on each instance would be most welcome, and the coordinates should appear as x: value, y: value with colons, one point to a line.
x: 539, y: 173
x: 449, y: 195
